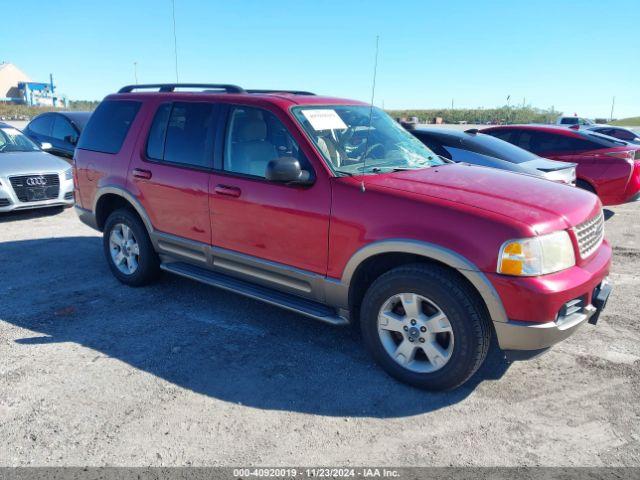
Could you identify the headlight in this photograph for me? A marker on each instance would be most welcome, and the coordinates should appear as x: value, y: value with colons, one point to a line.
x: 537, y: 256
x: 68, y: 174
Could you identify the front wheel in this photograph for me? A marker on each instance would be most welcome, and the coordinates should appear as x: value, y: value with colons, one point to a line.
x: 425, y: 326
x: 128, y: 249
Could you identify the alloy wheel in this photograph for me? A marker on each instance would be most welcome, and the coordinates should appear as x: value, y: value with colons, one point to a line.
x: 124, y: 249
x: 415, y: 333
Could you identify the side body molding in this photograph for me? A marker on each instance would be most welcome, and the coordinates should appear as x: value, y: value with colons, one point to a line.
x: 331, y: 292
x: 337, y: 291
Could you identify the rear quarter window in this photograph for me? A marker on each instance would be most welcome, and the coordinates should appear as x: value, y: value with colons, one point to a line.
x: 108, y: 126
x: 506, y: 135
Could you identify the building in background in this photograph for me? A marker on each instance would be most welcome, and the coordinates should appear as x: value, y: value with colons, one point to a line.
x: 17, y: 87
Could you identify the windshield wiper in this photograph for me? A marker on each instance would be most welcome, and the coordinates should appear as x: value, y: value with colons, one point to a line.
x: 343, y: 172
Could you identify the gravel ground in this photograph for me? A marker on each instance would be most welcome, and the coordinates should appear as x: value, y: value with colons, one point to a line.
x: 96, y: 373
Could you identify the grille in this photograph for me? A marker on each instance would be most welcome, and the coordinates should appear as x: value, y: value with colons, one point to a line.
x: 4, y: 202
x: 590, y: 235
x: 26, y: 193
x: 68, y: 196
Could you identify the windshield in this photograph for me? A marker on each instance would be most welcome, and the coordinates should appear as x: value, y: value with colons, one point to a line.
x: 353, y: 144
x: 12, y: 140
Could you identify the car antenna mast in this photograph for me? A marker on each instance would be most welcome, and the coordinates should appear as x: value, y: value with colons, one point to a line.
x: 373, y: 94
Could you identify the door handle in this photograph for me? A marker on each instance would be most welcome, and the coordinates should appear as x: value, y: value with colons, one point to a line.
x: 140, y: 173
x: 227, y: 190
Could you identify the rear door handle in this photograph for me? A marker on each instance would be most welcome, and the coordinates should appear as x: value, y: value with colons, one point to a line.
x: 227, y: 190
x: 140, y: 173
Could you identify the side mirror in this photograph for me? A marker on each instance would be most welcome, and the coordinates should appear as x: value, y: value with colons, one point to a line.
x: 72, y: 139
x: 287, y: 170
x: 46, y: 146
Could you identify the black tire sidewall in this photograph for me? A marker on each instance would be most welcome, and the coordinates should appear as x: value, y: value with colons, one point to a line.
x: 147, y: 259
x: 468, y: 338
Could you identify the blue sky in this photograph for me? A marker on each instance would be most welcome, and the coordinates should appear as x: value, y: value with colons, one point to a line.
x: 571, y: 54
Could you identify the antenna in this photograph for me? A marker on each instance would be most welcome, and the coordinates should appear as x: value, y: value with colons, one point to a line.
x: 135, y: 71
x: 373, y: 94
x: 175, y: 40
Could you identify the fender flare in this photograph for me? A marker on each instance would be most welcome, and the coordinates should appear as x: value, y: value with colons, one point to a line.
x: 115, y: 190
x: 338, y: 290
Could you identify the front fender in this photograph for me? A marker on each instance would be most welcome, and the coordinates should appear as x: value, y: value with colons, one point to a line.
x: 337, y: 291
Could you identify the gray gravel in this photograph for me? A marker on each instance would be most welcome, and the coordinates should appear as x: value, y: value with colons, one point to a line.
x: 96, y: 373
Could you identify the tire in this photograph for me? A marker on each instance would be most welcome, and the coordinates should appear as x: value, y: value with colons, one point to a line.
x: 456, y: 353
x: 147, y: 263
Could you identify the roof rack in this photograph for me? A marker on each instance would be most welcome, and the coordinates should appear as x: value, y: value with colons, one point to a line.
x: 294, y: 92
x: 170, y: 87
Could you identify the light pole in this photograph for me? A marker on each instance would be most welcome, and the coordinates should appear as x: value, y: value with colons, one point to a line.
x: 613, y: 102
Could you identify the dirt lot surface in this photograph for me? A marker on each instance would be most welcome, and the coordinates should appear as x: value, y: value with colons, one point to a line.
x: 96, y: 373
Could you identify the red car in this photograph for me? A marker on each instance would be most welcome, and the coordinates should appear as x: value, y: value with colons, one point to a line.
x: 329, y: 208
x: 607, y: 167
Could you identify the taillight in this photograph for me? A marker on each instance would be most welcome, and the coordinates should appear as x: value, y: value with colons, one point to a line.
x: 625, y: 154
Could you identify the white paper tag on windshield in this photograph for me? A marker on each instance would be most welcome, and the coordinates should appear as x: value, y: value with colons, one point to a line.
x: 324, y: 119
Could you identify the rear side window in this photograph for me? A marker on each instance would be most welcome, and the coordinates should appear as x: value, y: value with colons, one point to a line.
x: 542, y: 142
x: 42, y: 125
x: 620, y: 133
x: 497, y: 148
x: 108, y: 126
x: 63, y: 129
x: 506, y: 135
x: 434, y: 145
x: 182, y: 134
x: 155, y: 144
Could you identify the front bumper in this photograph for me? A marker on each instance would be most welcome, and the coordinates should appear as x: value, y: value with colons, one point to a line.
x: 514, y: 335
x: 9, y: 201
x: 545, y: 310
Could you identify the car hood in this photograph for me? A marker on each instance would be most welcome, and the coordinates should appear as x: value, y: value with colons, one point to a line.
x: 545, y: 165
x: 543, y: 205
x: 22, y: 163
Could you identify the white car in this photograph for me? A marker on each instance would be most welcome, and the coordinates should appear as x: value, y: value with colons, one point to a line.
x: 567, y: 120
x: 30, y: 177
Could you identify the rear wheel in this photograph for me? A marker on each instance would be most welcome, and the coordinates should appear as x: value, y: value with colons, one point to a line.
x: 425, y: 326
x: 128, y: 249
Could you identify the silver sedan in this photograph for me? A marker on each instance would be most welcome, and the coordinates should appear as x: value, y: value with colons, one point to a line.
x: 30, y: 177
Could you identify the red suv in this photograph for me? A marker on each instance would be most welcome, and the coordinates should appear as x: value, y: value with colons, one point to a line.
x: 329, y: 208
x: 607, y: 166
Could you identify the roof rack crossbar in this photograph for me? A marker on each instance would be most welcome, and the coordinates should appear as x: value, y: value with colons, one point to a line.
x: 294, y: 92
x: 170, y: 87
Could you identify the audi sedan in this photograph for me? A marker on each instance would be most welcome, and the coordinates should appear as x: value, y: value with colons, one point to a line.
x: 29, y: 176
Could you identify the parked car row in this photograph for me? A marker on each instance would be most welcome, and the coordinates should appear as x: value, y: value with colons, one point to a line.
x: 587, y: 157
x: 477, y: 148
x: 329, y: 208
x: 606, y: 166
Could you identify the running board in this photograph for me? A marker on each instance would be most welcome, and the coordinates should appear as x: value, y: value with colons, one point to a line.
x: 287, y: 301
